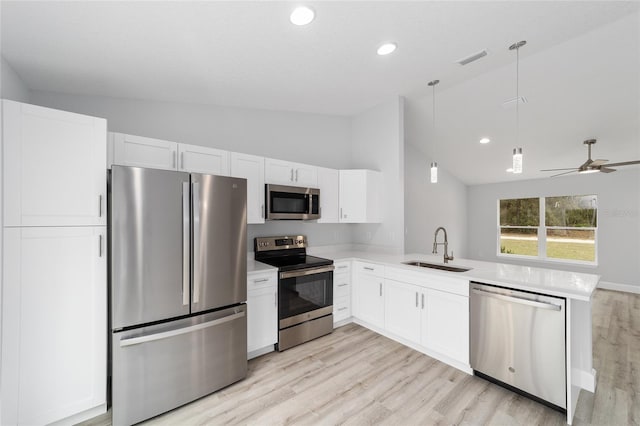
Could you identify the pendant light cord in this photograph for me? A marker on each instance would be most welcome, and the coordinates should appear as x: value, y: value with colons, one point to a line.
x: 434, y: 119
x: 518, y: 96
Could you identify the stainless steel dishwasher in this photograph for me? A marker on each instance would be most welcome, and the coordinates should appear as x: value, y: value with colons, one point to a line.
x: 517, y: 339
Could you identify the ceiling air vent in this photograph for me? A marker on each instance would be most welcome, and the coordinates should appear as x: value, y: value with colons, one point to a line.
x: 474, y: 57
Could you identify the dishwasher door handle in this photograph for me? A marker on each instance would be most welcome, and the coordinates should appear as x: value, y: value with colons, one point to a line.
x: 514, y: 299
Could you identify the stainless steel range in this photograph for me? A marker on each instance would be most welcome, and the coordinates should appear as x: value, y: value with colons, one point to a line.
x: 305, y: 289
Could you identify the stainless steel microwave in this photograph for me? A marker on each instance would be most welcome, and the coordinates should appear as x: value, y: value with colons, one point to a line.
x: 291, y: 203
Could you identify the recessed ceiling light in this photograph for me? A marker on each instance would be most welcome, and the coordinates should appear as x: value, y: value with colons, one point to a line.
x: 509, y: 170
x: 302, y: 15
x: 485, y: 140
x: 386, y: 48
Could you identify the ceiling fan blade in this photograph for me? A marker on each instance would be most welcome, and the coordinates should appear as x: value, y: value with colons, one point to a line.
x: 606, y: 170
x: 565, y: 173
x: 596, y: 163
x: 555, y: 170
x: 624, y: 163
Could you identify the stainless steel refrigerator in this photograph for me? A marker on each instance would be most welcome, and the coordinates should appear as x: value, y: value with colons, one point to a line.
x: 177, y: 288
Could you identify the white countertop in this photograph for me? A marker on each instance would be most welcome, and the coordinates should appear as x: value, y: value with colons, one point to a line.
x: 573, y: 285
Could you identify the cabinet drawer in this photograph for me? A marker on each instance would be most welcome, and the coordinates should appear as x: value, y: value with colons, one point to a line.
x: 341, y: 308
x: 341, y: 286
x: 369, y: 268
x: 342, y: 267
x: 261, y: 280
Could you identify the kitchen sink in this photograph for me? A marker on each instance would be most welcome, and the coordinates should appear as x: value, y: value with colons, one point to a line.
x: 437, y: 266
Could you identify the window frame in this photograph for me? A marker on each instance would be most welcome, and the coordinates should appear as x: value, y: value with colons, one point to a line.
x: 542, y: 236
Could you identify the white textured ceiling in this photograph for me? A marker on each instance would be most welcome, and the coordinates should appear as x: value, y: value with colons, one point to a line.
x: 247, y: 54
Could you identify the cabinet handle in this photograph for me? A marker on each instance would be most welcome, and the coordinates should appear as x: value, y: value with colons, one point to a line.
x: 422, y: 300
x: 380, y: 289
x: 416, y: 299
x: 342, y: 309
x: 340, y: 212
x: 342, y: 267
x: 368, y: 268
x: 173, y: 159
x: 296, y: 175
x: 100, y: 205
x: 261, y: 280
x: 182, y: 160
x: 275, y: 299
x: 342, y: 285
x: 262, y: 214
x: 291, y: 175
x: 100, y: 246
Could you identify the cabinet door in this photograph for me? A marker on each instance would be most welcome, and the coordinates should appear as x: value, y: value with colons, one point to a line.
x: 54, y: 323
x: 446, y: 324
x: 200, y: 159
x: 329, y: 183
x: 402, y: 310
x: 262, y: 311
x: 54, y: 167
x: 368, y: 299
x: 278, y: 172
x: 352, y: 195
x: 305, y: 175
x: 251, y: 168
x: 139, y: 151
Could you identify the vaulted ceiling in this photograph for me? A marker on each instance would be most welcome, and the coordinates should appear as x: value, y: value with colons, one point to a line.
x: 579, y: 71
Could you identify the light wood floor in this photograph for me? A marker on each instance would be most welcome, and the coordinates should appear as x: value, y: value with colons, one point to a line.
x: 355, y: 376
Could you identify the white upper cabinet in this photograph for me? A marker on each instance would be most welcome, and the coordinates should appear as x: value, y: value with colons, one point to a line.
x: 287, y: 173
x: 200, y: 159
x: 54, y: 166
x: 360, y: 199
x: 139, y: 151
x: 329, y: 185
x: 251, y: 168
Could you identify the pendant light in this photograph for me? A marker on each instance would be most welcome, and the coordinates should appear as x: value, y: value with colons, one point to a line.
x: 434, y: 165
x: 517, y: 152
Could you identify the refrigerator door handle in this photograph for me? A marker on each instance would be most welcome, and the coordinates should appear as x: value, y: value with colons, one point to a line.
x: 185, y: 330
x: 186, y: 234
x: 195, y: 190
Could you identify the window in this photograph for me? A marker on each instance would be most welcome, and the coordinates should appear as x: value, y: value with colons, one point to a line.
x: 552, y: 228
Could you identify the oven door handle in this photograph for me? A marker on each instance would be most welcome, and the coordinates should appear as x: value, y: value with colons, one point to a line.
x: 303, y: 272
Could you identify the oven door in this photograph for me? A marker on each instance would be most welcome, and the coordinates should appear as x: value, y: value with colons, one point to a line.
x: 305, y: 294
x: 290, y: 202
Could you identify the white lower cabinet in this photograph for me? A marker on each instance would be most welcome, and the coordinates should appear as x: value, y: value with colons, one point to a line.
x: 445, y: 324
x: 54, y: 324
x: 262, y: 312
x: 402, y: 310
x: 341, y: 291
x: 368, y: 293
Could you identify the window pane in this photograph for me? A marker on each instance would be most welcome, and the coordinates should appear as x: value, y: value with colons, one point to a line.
x: 578, y: 211
x: 572, y: 244
x: 520, y: 241
x: 520, y: 212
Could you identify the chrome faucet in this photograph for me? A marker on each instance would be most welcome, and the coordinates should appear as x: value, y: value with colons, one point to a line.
x: 447, y: 258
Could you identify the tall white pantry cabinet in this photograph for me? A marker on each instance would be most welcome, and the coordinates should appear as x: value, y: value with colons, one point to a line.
x: 54, y: 290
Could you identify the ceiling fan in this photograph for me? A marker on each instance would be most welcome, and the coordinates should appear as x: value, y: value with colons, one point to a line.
x: 592, y: 166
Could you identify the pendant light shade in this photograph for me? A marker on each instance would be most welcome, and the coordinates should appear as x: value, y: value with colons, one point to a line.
x: 517, y: 160
x: 517, y: 152
x: 434, y: 165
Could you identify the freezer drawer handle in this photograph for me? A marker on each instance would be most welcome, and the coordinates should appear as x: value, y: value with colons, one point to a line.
x: 173, y: 333
x: 519, y: 300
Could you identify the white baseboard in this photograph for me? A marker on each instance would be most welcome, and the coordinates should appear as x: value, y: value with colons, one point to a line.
x: 628, y: 288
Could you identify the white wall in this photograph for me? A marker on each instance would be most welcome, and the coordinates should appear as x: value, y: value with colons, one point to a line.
x: 11, y: 85
x: 321, y: 140
x: 618, y: 220
x: 430, y: 205
x: 378, y: 144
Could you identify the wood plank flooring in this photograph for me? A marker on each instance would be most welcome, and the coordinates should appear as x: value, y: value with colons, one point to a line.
x: 357, y: 377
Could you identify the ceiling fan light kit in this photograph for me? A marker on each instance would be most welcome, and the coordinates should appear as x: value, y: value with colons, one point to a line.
x: 591, y: 166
